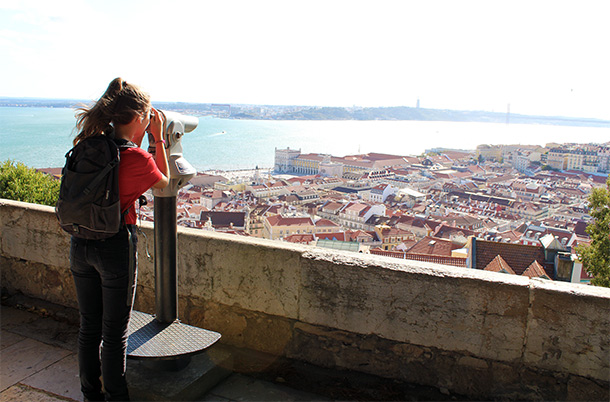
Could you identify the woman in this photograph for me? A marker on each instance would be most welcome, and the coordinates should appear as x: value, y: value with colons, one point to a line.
x: 104, y: 271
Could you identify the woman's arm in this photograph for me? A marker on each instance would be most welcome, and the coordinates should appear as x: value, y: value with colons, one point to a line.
x: 156, y: 129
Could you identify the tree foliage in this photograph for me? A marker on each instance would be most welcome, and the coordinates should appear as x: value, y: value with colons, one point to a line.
x: 596, y: 257
x: 21, y: 183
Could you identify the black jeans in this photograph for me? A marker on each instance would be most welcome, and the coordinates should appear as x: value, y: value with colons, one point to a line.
x: 105, y: 273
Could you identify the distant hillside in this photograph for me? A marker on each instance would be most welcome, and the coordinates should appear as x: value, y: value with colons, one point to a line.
x: 409, y: 113
x: 271, y: 112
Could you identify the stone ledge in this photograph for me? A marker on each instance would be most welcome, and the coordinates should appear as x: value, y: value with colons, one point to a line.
x: 288, y: 300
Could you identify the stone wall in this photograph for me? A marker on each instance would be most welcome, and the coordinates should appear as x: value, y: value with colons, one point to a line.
x: 475, y: 333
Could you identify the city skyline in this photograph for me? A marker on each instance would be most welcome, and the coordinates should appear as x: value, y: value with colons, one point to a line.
x: 539, y: 58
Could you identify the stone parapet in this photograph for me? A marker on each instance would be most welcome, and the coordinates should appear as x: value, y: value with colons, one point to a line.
x: 475, y: 333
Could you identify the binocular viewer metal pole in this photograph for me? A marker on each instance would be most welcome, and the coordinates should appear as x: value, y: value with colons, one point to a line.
x: 166, y: 254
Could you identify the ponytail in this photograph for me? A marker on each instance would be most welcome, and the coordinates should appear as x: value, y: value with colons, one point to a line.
x: 118, y: 105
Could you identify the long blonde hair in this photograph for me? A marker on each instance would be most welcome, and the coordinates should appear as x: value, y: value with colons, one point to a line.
x: 119, y: 105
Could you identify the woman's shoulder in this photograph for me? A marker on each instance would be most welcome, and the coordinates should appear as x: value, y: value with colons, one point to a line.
x: 135, y: 151
x: 135, y: 155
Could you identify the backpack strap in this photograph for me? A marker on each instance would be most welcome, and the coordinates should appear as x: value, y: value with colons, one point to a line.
x: 123, y: 144
x: 100, y: 176
x: 107, y: 169
x: 124, y: 214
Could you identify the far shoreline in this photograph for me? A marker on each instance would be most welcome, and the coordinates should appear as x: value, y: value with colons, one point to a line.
x: 319, y: 113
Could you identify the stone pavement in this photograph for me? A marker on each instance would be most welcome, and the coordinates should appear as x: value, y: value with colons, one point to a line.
x: 38, y: 363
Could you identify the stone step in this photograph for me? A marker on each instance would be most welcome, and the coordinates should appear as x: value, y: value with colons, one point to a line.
x: 167, y: 380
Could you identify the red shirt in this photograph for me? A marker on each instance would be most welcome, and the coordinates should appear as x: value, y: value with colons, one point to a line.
x: 137, y: 173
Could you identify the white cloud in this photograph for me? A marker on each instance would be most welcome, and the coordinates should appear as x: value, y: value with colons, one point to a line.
x: 541, y: 57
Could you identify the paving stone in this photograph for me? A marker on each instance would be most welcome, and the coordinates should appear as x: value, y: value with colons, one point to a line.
x: 50, y: 331
x: 22, y: 392
x: 12, y: 317
x: 242, y: 388
x: 60, y: 378
x: 214, y: 398
x: 147, y: 380
x: 8, y: 338
x: 26, y: 358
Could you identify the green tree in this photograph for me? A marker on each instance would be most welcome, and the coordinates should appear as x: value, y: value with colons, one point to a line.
x: 596, y: 257
x: 22, y: 183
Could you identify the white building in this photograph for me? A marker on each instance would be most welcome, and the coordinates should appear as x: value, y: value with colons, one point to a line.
x: 380, y: 193
x: 284, y: 158
x: 410, y: 196
x: 330, y: 169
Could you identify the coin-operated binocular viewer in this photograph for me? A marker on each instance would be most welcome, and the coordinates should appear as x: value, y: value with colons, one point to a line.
x: 180, y: 172
x: 162, y: 336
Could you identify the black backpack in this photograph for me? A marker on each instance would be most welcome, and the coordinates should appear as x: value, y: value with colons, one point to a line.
x: 89, y: 206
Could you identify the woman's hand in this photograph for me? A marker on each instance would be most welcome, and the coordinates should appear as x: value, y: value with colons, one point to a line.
x: 156, y: 124
x: 155, y: 128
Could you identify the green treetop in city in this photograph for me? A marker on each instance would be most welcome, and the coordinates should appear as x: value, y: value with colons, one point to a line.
x: 596, y: 257
x: 22, y: 183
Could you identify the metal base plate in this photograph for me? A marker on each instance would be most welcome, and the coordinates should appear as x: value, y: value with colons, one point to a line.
x: 150, y: 339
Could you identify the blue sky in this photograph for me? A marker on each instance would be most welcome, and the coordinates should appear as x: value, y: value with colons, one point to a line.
x: 541, y: 57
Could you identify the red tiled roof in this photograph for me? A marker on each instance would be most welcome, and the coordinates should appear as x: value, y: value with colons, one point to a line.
x: 584, y: 274
x: 364, y: 211
x: 380, y: 187
x: 55, y: 172
x: 299, y: 238
x: 433, y: 246
x: 326, y: 222
x: 499, y: 265
x: 291, y: 198
x: 393, y: 231
x: 340, y: 236
x: 373, y: 156
x: 278, y: 220
x: 274, y: 209
x: 302, y: 179
x: 580, y: 227
x: 535, y: 270
x: 197, y: 209
x: 333, y: 206
x: 518, y: 256
x: 418, y: 222
x: 457, y: 154
x: 445, y: 231
x: 475, y: 169
x: 224, y: 219
x: 310, y: 157
x: 353, y: 235
x: 356, y: 207
x: 407, y: 244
